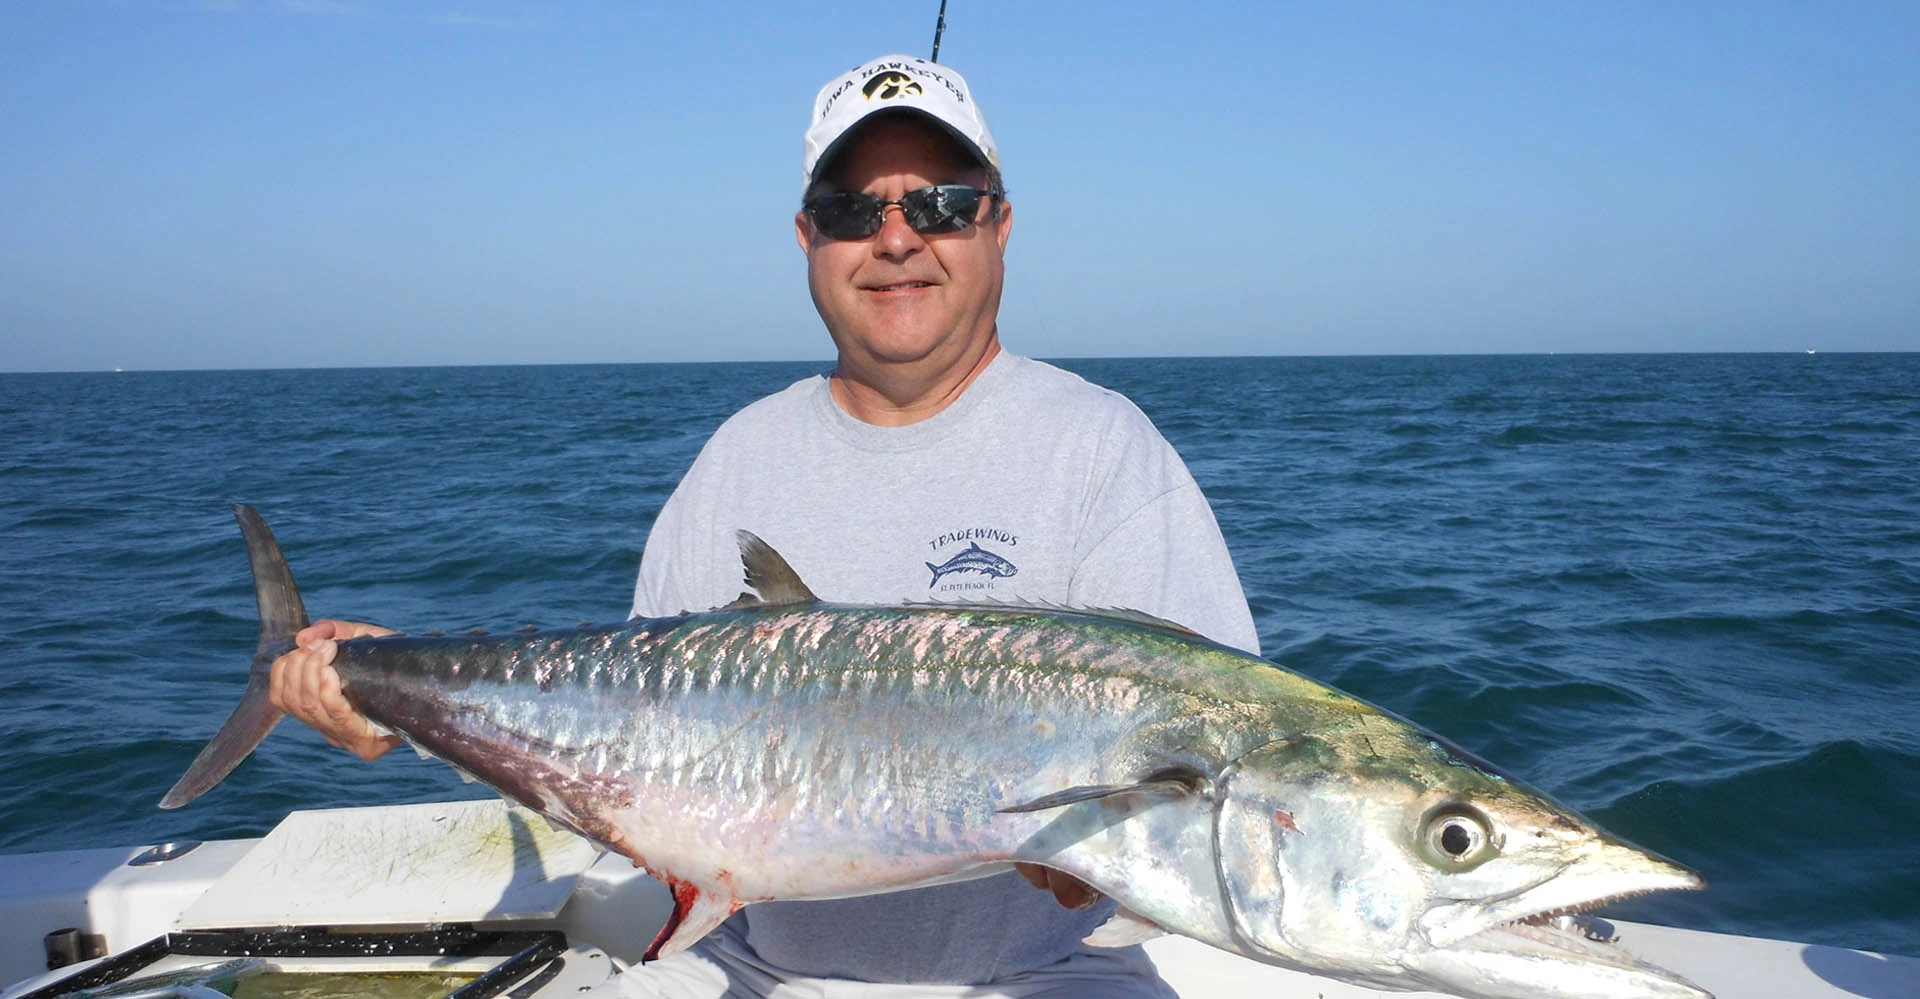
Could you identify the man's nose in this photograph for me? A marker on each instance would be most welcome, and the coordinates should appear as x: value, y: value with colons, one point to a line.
x: 896, y: 238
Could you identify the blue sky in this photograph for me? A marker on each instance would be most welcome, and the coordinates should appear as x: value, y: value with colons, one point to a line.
x: 266, y: 183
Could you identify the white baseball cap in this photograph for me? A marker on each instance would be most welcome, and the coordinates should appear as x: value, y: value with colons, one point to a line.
x: 891, y: 83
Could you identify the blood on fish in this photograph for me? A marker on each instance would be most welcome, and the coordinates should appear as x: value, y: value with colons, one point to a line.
x: 684, y: 894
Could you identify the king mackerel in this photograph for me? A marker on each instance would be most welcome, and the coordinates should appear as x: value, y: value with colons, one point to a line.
x: 786, y: 748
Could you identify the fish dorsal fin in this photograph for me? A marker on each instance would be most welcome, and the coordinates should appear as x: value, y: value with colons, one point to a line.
x: 769, y: 575
x: 1138, y: 617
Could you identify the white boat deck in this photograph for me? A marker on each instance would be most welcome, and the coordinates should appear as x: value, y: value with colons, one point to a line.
x: 480, y: 862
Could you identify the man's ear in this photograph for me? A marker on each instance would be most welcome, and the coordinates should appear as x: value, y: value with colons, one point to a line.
x: 1003, y: 225
x: 803, y: 231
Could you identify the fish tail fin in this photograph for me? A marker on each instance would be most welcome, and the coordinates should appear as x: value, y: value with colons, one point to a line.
x: 282, y: 615
x: 936, y: 572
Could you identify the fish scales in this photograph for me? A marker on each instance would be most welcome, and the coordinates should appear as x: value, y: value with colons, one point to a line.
x: 888, y: 711
x: 910, y: 754
x: 789, y: 748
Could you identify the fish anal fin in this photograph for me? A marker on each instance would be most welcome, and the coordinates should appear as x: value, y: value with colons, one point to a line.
x: 695, y: 914
x: 769, y: 575
x: 1172, y: 782
x: 1124, y: 928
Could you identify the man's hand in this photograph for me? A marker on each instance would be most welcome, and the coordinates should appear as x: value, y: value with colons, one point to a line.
x: 1067, y: 889
x: 306, y: 686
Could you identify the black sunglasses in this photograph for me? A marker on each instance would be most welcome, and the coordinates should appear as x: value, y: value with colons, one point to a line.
x: 930, y: 210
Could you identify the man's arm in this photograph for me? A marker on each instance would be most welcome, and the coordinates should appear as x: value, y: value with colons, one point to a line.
x: 306, y: 686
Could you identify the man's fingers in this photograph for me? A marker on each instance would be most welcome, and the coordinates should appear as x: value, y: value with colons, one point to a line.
x: 277, y: 684
x: 304, y: 684
x: 1071, y: 891
x: 292, y: 681
x: 331, y: 703
x: 315, y: 668
x: 1067, y: 890
x: 1034, y: 873
x: 329, y: 628
x: 378, y: 744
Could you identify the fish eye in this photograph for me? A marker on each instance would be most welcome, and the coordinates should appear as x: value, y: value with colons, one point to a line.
x: 1457, y: 837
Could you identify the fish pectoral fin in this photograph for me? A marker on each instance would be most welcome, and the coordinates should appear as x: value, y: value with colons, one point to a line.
x: 1070, y: 796
x: 769, y: 575
x: 1170, y: 783
x: 1124, y: 928
x: 695, y: 913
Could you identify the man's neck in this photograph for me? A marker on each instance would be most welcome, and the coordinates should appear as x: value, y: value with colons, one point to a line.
x: 891, y: 397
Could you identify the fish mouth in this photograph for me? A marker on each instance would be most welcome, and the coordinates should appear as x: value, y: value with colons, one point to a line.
x: 1570, y: 928
x: 1577, y: 949
x: 1548, y: 925
x: 1611, y: 874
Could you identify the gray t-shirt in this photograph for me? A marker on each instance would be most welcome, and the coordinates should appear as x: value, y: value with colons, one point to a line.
x: 1034, y: 486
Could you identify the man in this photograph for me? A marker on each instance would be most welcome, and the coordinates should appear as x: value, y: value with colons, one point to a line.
x: 927, y: 465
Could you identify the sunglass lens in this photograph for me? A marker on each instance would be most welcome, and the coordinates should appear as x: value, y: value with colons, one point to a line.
x: 946, y: 208
x: 845, y: 215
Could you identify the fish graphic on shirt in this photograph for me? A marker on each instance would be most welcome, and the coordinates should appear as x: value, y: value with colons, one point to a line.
x: 974, y: 559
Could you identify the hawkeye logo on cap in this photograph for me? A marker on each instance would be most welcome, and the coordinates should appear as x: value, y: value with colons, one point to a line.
x: 891, y: 84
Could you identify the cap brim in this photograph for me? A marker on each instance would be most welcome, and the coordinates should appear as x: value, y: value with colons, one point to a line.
x: 827, y: 155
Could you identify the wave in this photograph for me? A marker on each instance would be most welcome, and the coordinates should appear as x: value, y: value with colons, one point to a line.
x: 1745, y: 831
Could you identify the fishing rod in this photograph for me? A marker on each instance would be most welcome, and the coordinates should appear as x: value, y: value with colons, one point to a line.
x: 939, y: 27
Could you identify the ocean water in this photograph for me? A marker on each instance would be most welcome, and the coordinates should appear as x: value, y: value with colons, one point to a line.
x: 1680, y: 592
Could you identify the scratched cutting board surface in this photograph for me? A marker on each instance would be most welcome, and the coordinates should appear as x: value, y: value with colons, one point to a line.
x: 431, y: 863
